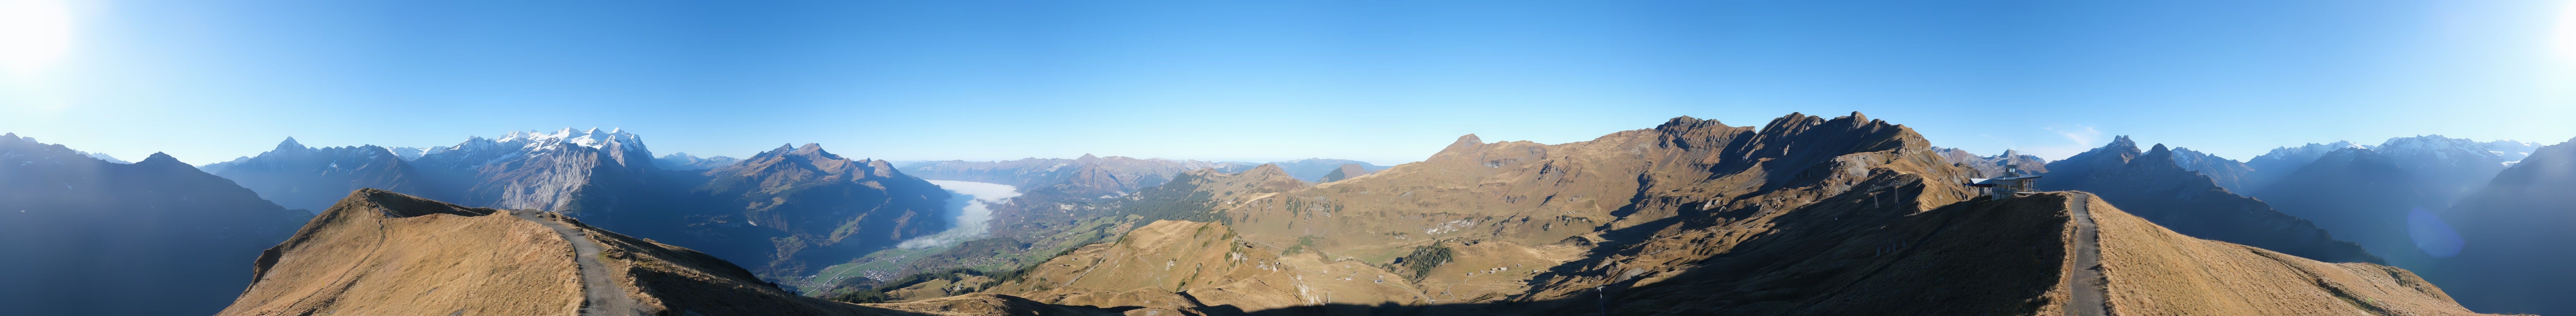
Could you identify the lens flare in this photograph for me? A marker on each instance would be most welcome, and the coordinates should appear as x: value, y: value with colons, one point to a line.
x: 2432, y: 235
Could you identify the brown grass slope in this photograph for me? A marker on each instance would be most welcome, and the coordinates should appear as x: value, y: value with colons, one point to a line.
x: 384, y: 253
x: 1986, y: 257
x: 1803, y: 216
x: 2155, y: 271
x: 1177, y: 266
x: 1534, y: 222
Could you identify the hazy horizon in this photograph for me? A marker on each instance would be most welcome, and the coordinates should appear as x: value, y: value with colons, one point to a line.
x: 1378, y: 82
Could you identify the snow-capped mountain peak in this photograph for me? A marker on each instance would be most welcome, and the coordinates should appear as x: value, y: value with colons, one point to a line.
x: 2445, y: 148
x: 592, y: 138
x: 2311, y: 150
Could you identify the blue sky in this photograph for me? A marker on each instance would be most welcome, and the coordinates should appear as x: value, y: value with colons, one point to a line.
x: 1385, y: 82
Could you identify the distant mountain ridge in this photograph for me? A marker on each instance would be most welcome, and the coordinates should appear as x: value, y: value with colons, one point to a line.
x: 804, y: 208
x: 1347, y: 171
x: 1991, y: 166
x: 1111, y: 175
x: 2512, y: 242
x: 821, y: 207
x: 574, y: 172
x: 685, y: 161
x: 311, y: 179
x: 1315, y: 169
x: 84, y: 236
x: 2152, y: 185
x: 2370, y: 194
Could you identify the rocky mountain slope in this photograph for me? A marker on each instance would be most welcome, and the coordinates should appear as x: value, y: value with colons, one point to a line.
x: 1045, y: 223
x: 2361, y: 195
x: 2280, y: 162
x: 2444, y: 168
x: 2227, y: 173
x: 382, y: 253
x: 311, y: 179
x: 579, y: 173
x: 157, y: 237
x: 2151, y: 185
x: 2512, y: 245
x: 1805, y: 215
x: 801, y: 208
x: 2371, y: 194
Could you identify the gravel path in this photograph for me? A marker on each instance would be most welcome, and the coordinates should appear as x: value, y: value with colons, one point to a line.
x: 2088, y: 282
x: 600, y: 295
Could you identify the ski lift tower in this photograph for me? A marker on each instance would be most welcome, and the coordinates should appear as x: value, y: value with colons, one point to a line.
x: 2011, y: 184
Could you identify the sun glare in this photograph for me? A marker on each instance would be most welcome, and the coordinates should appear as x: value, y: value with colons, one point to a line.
x: 33, y: 33
x: 2566, y: 33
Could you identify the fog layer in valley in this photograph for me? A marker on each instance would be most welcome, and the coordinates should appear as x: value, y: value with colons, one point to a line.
x: 968, y: 205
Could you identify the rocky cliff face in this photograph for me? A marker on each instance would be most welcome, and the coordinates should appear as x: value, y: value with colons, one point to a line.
x: 310, y: 179
x: 82, y: 235
x: 579, y: 173
x: 2152, y: 186
x: 2512, y: 243
x: 382, y: 253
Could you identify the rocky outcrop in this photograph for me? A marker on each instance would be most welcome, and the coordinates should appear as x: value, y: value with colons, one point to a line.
x: 84, y: 236
x: 2152, y: 186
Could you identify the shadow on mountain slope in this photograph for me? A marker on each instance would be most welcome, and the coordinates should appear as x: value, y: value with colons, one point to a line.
x: 1979, y: 257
